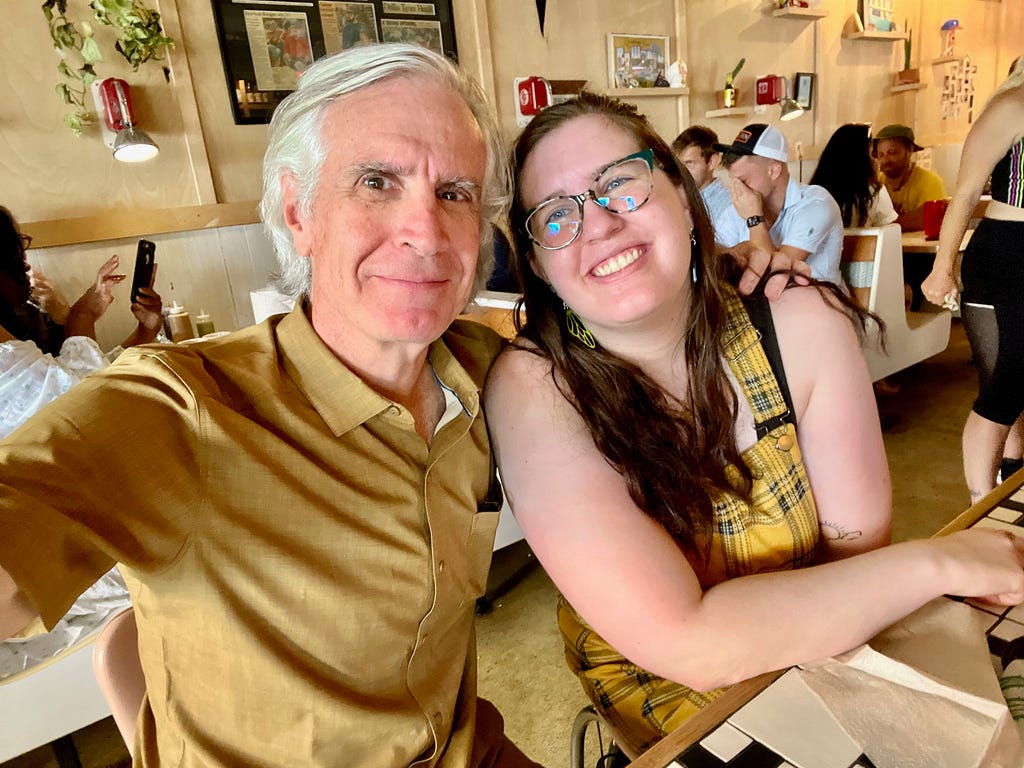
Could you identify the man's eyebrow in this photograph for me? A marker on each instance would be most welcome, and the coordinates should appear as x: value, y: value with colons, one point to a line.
x: 461, y: 182
x: 379, y: 166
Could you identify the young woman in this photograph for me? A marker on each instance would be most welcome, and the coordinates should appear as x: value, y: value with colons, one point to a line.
x: 702, y: 527
x: 847, y: 171
x: 993, y: 278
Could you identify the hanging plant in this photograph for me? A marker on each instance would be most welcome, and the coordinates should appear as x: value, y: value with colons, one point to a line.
x: 139, y: 39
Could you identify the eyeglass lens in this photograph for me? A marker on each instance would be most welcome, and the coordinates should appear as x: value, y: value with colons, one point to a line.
x: 621, y: 188
x: 26, y: 240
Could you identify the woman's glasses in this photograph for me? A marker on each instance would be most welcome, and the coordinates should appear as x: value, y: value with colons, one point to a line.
x: 26, y: 240
x: 622, y: 187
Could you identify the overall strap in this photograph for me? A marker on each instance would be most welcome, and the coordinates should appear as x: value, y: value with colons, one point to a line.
x: 753, y: 354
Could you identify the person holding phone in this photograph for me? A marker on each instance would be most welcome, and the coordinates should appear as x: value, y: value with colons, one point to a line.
x: 32, y: 309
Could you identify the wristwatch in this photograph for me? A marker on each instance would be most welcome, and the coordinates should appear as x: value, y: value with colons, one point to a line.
x: 753, y: 221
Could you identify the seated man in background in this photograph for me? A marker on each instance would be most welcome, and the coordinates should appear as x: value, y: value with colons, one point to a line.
x: 695, y: 150
x: 305, y: 559
x: 910, y: 186
x: 773, y: 212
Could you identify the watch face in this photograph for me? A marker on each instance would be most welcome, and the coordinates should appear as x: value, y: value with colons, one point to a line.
x: 753, y: 221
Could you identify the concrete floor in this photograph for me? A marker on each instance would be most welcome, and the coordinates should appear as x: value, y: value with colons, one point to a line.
x: 521, y: 665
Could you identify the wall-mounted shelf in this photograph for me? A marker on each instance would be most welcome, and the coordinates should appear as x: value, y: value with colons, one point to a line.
x: 948, y: 59
x: 639, y: 93
x: 875, y: 35
x: 730, y: 112
x: 802, y: 13
x: 907, y: 87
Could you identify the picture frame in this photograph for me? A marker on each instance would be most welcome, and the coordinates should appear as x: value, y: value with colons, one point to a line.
x: 803, y: 89
x: 636, y: 61
x: 266, y: 44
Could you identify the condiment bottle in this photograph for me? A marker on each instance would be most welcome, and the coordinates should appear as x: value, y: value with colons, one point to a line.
x: 204, y: 324
x: 181, y: 325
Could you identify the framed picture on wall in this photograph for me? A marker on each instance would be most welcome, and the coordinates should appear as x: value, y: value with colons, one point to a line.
x: 267, y: 44
x: 803, y: 89
x: 636, y: 61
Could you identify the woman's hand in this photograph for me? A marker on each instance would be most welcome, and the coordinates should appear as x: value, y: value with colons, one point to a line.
x: 47, y: 297
x: 147, y: 310
x: 91, y: 305
x: 984, y: 563
x: 940, y: 286
x: 99, y: 295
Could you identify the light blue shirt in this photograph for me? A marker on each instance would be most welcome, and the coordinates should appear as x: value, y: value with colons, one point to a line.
x: 810, y: 220
x: 716, y: 200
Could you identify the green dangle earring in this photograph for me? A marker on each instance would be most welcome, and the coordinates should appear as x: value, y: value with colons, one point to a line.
x: 577, y: 329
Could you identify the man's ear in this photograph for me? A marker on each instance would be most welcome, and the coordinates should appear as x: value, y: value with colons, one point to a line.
x: 297, y: 222
x: 714, y: 161
x: 775, y: 169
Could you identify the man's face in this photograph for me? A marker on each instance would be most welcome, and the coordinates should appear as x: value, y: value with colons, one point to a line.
x: 893, y: 157
x: 756, y: 172
x: 700, y: 169
x: 394, y: 228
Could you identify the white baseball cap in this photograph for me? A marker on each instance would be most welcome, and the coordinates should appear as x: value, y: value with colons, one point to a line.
x: 758, y: 139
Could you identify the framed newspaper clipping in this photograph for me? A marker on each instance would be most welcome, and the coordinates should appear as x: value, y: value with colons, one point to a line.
x: 267, y: 44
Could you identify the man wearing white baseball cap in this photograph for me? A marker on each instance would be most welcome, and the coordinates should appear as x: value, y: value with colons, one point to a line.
x: 772, y: 211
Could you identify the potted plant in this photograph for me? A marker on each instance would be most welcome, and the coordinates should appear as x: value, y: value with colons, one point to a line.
x: 139, y: 39
x: 907, y: 75
x: 729, y: 96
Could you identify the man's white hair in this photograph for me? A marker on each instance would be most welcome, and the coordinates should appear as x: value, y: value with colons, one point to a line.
x: 296, y: 146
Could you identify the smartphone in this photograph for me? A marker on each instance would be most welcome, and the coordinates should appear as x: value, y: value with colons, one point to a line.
x: 145, y: 259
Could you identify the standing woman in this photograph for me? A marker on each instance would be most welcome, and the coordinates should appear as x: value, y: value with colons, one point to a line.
x: 993, y: 282
x: 704, y: 479
x: 847, y: 171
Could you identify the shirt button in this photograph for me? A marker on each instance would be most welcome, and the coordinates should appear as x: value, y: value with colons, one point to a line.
x: 440, y: 566
x: 784, y: 443
x: 438, y: 718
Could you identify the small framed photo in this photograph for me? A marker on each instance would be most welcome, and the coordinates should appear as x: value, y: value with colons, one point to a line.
x: 636, y: 61
x: 803, y: 90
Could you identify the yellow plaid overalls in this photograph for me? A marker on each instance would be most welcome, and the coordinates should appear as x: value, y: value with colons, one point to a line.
x: 777, y: 531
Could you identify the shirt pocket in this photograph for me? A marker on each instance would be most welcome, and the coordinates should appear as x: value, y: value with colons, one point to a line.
x: 479, y: 551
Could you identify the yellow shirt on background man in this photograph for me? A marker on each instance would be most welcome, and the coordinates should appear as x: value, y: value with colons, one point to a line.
x: 921, y: 186
x: 304, y: 568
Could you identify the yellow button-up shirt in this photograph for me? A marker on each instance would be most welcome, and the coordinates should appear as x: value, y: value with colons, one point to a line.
x: 303, y: 566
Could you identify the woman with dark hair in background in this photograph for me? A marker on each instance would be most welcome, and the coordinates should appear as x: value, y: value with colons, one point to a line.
x: 702, y: 477
x: 847, y: 171
x: 42, y: 356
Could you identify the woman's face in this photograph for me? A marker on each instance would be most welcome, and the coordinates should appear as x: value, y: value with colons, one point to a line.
x: 622, y: 268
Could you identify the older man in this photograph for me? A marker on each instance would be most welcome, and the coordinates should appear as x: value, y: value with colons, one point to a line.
x: 305, y: 554
x: 909, y: 185
x: 772, y: 212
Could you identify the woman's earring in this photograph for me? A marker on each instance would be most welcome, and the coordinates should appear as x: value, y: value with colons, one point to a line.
x: 577, y: 329
x: 694, y: 255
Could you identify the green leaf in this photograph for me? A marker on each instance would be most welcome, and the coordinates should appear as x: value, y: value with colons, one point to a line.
x: 64, y: 92
x: 64, y: 69
x: 91, y: 51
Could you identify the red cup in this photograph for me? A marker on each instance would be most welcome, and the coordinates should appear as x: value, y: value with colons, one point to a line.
x: 934, y: 210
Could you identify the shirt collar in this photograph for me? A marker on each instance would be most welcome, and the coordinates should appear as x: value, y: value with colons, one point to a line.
x: 340, y: 397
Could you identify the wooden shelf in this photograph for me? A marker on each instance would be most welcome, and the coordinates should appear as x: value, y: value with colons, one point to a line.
x: 948, y: 59
x: 639, y: 93
x: 907, y: 87
x: 803, y: 13
x: 875, y: 35
x: 730, y: 112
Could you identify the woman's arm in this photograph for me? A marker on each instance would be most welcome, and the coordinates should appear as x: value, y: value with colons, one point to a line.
x: 837, y: 423
x: 629, y: 580
x: 997, y: 128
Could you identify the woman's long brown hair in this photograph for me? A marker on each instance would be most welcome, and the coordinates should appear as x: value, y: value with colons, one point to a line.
x: 672, y: 455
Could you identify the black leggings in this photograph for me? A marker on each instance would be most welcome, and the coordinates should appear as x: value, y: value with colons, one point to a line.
x: 993, y: 314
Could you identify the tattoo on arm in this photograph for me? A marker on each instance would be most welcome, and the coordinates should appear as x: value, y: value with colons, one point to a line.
x: 836, y: 532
